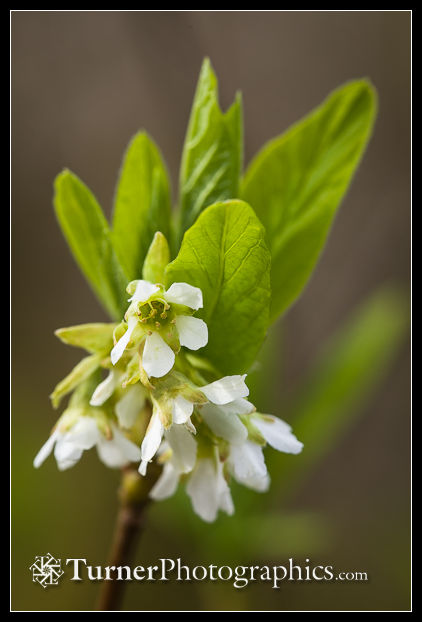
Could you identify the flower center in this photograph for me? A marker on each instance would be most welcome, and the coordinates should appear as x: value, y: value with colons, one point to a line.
x: 154, y: 312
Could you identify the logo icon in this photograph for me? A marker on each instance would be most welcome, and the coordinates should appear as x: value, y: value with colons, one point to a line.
x: 46, y: 570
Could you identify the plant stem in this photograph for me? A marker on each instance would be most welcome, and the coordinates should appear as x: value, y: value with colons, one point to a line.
x: 130, y: 524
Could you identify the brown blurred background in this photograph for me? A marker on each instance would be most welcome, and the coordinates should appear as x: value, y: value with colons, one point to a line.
x: 82, y: 85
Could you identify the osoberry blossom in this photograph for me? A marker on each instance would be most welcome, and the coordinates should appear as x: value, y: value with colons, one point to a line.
x: 161, y: 321
x: 130, y: 402
x: 228, y: 391
x: 236, y: 452
x: 206, y: 487
x: 114, y: 449
x: 201, y: 433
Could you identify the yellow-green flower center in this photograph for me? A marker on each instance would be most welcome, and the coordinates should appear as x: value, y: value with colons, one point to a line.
x: 154, y: 312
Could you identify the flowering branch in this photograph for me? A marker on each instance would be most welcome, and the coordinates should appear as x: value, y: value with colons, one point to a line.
x: 164, y: 384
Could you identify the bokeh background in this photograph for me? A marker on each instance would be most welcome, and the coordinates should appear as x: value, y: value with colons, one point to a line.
x: 82, y: 84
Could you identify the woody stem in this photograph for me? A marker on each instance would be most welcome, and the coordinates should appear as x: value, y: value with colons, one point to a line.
x: 130, y: 524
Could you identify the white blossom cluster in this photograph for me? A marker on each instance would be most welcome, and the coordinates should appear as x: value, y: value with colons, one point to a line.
x: 155, y: 404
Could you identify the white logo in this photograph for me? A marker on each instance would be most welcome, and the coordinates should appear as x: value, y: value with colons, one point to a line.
x: 46, y: 570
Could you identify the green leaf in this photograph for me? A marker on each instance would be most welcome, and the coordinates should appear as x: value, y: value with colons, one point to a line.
x: 80, y: 373
x: 94, y: 337
x: 225, y: 255
x: 87, y: 233
x: 296, y: 183
x: 142, y: 203
x: 157, y: 258
x: 340, y: 381
x: 212, y: 156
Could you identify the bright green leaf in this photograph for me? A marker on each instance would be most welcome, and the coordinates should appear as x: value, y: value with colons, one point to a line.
x: 296, y: 183
x: 87, y: 233
x: 80, y: 373
x: 96, y: 337
x: 213, y: 151
x: 142, y: 203
x: 224, y: 254
x: 157, y: 258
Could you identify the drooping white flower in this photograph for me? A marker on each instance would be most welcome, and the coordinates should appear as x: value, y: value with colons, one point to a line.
x: 181, y: 410
x: 223, y: 393
x: 226, y: 389
x: 162, y: 316
x: 208, y: 489
x: 106, y: 388
x: 151, y: 442
x: 183, y: 446
x: 206, y: 486
x: 167, y: 483
x: 224, y: 423
x: 121, y: 345
x: 243, y: 457
x: 247, y: 465
x: 84, y: 434
x: 129, y: 406
x: 277, y: 433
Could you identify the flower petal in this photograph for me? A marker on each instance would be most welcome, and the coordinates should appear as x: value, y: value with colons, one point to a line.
x: 143, y: 467
x: 67, y: 454
x: 46, y: 449
x: 182, y: 409
x: 184, y: 447
x: 152, y: 440
x: 121, y: 345
x: 185, y: 294
x: 117, y: 451
x: 143, y: 291
x: 158, y: 357
x: 70, y: 446
x: 278, y: 434
x: 202, y: 488
x: 193, y: 332
x: 247, y: 464
x: 105, y: 389
x: 208, y: 490
x: 239, y: 407
x: 223, y: 490
x: 223, y: 424
x: 226, y: 389
x: 84, y: 434
x: 130, y: 405
x: 189, y: 426
x: 166, y: 484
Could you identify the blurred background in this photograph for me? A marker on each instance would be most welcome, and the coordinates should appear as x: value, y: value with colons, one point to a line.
x: 82, y: 84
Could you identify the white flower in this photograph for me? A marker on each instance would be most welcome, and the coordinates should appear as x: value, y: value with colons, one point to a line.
x: 121, y: 345
x: 223, y: 393
x: 226, y: 389
x: 182, y: 410
x: 277, y: 433
x: 167, y: 483
x: 130, y: 405
x: 151, y: 442
x: 247, y: 465
x: 158, y: 358
x: 207, y: 487
x: 84, y: 434
x: 106, y: 388
x: 157, y: 310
